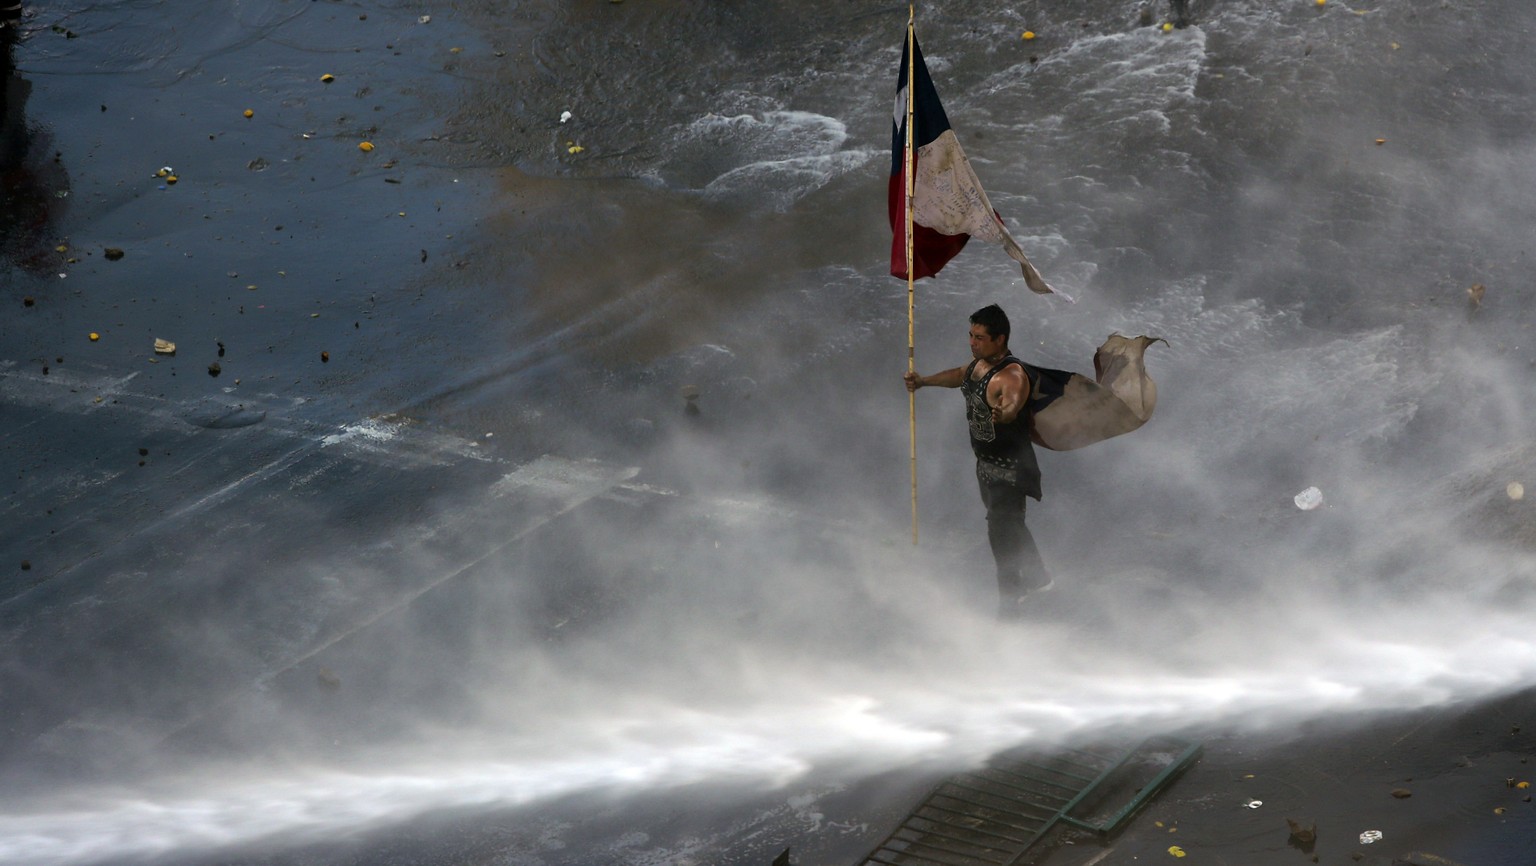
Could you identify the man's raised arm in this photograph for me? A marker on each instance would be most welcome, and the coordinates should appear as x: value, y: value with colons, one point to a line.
x: 951, y: 378
x: 1006, y: 393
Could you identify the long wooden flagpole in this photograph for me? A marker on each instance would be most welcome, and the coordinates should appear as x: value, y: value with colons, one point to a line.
x: 907, y: 169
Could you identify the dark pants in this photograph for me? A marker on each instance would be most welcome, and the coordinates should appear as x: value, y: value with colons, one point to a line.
x: 1019, y: 567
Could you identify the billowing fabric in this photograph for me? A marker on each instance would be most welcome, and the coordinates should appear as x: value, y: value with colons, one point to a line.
x: 1070, y: 410
x: 948, y: 204
x: 931, y: 250
x: 947, y: 197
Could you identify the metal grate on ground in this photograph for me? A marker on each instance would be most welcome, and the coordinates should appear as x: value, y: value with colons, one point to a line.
x: 995, y: 814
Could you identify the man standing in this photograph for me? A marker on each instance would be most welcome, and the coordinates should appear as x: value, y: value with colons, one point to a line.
x: 998, y: 388
x: 1180, y: 13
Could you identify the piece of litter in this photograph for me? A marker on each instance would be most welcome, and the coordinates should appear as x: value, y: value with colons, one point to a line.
x: 164, y: 347
x: 565, y: 115
x: 575, y: 148
x: 425, y: 19
x: 1253, y: 804
x: 1303, y: 831
x: 165, y: 170
x: 1370, y: 836
x: 1380, y: 141
x: 1309, y: 499
x: 1176, y: 851
x: 1515, y: 491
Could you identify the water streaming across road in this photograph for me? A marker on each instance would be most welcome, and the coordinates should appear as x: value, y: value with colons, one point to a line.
x: 477, y: 556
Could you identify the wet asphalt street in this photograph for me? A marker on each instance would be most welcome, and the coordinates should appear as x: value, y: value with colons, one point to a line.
x: 414, y: 524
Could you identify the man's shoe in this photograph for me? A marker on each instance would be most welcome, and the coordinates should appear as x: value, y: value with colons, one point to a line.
x: 1014, y: 608
x: 1049, y: 584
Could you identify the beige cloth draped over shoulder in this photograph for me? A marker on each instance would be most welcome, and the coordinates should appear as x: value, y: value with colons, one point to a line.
x: 1071, y: 410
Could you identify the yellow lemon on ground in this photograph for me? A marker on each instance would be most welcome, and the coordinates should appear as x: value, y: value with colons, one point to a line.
x: 365, y: 146
x: 248, y: 113
x: 1028, y: 35
x: 327, y: 78
x: 95, y: 336
x: 1167, y: 28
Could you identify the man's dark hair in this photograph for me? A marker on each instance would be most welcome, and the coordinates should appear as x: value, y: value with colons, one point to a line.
x: 993, y: 319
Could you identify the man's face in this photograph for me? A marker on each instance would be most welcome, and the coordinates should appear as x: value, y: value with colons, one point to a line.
x: 983, y: 344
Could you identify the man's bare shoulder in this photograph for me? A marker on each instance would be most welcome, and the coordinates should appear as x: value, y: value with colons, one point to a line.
x: 1009, y: 378
x: 1012, y: 371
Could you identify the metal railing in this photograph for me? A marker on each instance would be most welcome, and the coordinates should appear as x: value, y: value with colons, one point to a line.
x: 995, y: 814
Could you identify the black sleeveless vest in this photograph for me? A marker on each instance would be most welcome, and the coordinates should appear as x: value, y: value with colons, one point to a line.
x: 1004, y: 453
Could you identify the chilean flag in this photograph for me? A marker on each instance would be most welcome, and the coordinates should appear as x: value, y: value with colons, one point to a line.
x: 948, y: 203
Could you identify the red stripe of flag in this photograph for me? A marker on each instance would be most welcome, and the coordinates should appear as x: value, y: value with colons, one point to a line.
x: 949, y: 207
x: 930, y: 249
